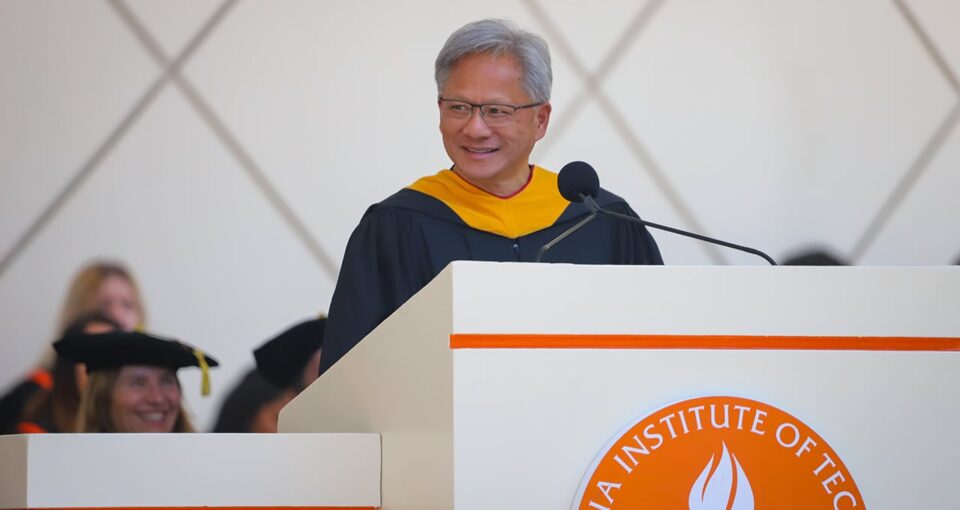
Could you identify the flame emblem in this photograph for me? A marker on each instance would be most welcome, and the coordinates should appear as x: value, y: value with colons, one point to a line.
x: 722, y: 485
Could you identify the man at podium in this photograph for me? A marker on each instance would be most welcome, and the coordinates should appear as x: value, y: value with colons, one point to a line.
x: 492, y: 204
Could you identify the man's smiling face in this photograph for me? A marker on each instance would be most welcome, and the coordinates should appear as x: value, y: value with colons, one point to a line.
x: 493, y: 159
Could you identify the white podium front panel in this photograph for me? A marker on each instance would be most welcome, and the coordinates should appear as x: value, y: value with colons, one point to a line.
x: 513, y: 383
x: 891, y: 416
x: 313, y: 471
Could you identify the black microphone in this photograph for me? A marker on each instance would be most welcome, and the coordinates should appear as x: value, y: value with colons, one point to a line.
x: 578, y: 182
x: 573, y: 186
x: 577, y: 178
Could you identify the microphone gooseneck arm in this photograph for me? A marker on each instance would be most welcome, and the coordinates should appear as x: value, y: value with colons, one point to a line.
x: 561, y: 237
x: 592, y: 205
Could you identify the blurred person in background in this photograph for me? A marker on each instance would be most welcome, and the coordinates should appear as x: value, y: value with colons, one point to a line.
x: 291, y: 359
x: 108, y: 287
x: 56, y: 410
x: 814, y: 257
x: 253, y: 405
x: 286, y: 365
x: 132, y: 381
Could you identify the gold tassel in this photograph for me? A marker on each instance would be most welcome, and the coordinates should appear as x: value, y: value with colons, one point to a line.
x: 204, y: 372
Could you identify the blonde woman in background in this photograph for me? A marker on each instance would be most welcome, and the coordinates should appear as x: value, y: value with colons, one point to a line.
x: 107, y: 287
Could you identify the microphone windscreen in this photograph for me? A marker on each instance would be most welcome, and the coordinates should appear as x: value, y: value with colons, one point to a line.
x: 578, y: 178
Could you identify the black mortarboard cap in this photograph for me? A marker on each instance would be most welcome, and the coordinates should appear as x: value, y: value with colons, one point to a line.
x: 118, y: 348
x: 281, y: 360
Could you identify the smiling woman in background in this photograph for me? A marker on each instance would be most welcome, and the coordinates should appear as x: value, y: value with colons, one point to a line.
x: 133, y: 385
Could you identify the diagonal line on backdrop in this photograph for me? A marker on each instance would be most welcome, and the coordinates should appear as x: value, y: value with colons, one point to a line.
x: 149, y: 43
x: 928, y: 44
x: 637, y: 26
x: 929, y: 150
x: 592, y: 82
x: 565, y: 119
x: 90, y: 166
x: 259, y: 178
x: 82, y: 175
x: 639, y: 150
x: 579, y: 101
x: 906, y: 184
x: 226, y: 137
x: 560, y: 42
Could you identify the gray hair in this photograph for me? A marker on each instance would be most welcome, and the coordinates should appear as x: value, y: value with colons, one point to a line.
x: 499, y: 37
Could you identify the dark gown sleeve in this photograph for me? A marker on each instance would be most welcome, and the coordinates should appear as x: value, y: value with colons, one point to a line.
x: 641, y: 247
x: 385, y: 263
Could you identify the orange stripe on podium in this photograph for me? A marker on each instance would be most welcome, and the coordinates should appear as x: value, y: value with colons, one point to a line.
x: 720, y: 342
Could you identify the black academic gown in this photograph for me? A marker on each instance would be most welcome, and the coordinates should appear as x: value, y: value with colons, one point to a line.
x: 406, y: 240
x: 13, y: 402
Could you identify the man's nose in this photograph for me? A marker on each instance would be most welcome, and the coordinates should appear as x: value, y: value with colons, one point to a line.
x: 476, y: 125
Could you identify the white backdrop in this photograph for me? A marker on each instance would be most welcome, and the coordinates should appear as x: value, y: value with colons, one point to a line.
x: 225, y: 149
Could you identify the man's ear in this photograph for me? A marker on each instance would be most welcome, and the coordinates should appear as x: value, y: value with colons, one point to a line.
x: 543, y: 119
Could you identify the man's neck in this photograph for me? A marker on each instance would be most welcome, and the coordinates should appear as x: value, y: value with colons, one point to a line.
x: 504, y: 187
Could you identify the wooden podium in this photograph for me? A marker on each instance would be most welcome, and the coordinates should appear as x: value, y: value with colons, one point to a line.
x: 501, y: 385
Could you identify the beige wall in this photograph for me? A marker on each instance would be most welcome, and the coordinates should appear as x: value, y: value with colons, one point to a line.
x: 230, y: 182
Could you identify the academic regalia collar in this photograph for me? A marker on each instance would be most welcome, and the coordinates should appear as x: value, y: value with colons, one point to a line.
x: 534, y: 207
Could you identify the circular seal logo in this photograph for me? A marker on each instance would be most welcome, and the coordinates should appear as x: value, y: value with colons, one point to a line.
x: 718, y: 453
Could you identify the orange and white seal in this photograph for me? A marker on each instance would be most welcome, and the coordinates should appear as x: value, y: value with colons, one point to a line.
x: 718, y: 453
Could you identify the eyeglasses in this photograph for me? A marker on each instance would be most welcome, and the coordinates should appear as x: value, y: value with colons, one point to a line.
x: 493, y: 114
